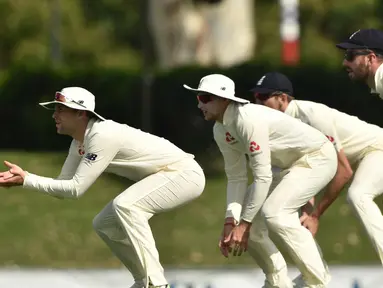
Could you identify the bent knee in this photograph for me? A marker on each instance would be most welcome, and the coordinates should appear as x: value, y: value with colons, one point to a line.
x: 274, y: 221
x: 270, y: 211
x: 119, y: 203
x: 97, y: 222
x: 276, y: 217
x: 358, y: 195
x: 259, y: 237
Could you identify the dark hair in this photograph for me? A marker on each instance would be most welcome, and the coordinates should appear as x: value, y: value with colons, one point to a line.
x: 378, y: 53
x: 90, y: 115
x: 279, y: 93
x: 290, y: 98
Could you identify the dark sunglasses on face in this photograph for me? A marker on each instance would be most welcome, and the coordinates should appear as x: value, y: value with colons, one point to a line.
x: 350, y: 55
x: 205, y: 98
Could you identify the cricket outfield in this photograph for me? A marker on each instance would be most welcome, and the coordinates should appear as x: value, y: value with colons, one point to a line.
x: 41, y: 231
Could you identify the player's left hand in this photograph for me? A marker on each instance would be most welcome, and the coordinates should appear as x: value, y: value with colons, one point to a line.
x: 13, y: 177
x: 303, y: 217
x: 312, y: 224
x: 238, y: 238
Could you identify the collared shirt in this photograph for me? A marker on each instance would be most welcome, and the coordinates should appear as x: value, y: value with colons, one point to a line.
x: 111, y: 147
x: 348, y: 133
x: 269, y: 138
x: 378, y: 82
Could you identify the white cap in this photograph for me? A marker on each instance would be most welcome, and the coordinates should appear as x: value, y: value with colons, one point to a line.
x: 75, y: 98
x: 219, y: 85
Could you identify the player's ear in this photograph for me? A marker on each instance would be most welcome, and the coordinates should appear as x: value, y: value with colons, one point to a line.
x: 284, y: 97
x: 81, y: 113
x: 371, y: 57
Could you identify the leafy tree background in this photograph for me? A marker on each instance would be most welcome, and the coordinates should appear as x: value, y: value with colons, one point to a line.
x: 107, y: 33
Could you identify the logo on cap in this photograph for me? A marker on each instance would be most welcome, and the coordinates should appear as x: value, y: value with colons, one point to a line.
x: 261, y: 80
x: 353, y: 34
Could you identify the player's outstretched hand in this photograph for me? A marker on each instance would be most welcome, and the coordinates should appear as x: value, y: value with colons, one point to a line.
x: 13, y: 177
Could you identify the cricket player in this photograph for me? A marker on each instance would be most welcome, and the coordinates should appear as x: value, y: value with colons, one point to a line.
x: 358, y: 144
x: 306, y: 160
x: 364, y: 57
x: 166, y: 177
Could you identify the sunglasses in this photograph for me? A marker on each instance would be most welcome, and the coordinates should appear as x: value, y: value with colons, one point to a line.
x: 64, y: 99
x: 350, y: 55
x: 205, y: 98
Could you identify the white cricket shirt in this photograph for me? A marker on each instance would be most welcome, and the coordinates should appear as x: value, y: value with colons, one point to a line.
x: 111, y: 147
x: 378, y: 82
x: 269, y: 138
x: 354, y: 136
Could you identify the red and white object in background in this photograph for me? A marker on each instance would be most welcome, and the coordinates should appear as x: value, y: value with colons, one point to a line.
x: 290, y: 30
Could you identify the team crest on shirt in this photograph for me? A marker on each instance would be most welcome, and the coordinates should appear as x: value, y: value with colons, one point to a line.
x: 91, y: 156
x: 254, y: 147
x: 230, y: 139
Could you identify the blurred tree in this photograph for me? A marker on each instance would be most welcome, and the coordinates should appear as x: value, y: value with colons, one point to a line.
x: 323, y: 23
x: 22, y: 33
x: 106, y: 33
x: 122, y: 19
x: 26, y: 34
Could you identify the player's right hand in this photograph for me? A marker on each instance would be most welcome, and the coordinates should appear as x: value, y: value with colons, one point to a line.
x: 227, y: 229
x: 303, y: 217
x: 13, y: 177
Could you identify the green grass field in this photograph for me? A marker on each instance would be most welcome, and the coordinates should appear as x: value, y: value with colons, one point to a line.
x: 39, y: 230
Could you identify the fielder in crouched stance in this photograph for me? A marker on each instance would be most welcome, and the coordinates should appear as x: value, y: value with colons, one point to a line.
x: 359, y: 146
x: 166, y: 177
x: 269, y: 138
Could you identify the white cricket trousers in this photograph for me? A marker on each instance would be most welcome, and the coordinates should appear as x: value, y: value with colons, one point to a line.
x: 280, y: 215
x: 366, y: 185
x: 123, y: 223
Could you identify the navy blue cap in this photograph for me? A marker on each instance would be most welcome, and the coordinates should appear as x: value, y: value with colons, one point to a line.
x: 364, y: 39
x: 273, y: 82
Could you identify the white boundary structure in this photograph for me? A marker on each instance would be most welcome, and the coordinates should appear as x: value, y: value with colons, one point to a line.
x: 342, y: 277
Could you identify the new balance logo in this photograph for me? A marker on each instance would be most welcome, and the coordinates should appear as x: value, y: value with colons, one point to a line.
x: 91, y: 156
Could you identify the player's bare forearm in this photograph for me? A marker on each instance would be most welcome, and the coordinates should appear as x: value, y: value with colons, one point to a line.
x: 342, y: 176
